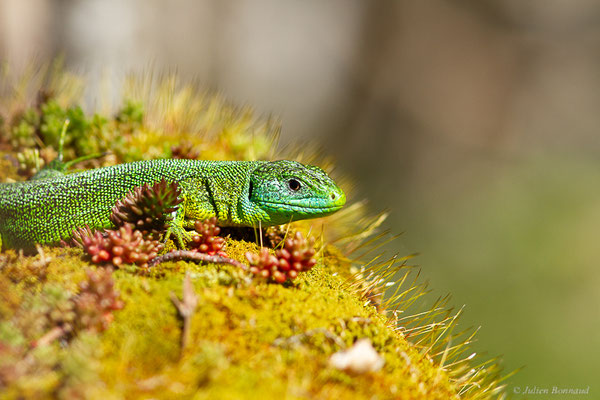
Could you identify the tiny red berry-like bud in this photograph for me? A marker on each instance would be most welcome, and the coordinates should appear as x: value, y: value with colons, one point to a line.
x: 284, y: 253
x: 284, y: 265
x: 279, y: 277
x: 273, y: 261
x: 296, y: 256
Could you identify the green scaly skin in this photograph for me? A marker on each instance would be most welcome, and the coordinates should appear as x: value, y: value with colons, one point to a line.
x: 239, y: 193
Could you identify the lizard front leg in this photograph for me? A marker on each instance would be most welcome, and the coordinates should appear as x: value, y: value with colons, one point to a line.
x: 181, y: 222
x: 177, y: 229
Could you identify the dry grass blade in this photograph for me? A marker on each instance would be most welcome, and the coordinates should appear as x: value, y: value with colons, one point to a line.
x: 432, y: 331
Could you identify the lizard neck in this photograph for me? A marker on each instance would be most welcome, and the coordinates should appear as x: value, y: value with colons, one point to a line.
x: 248, y: 213
x: 223, y: 190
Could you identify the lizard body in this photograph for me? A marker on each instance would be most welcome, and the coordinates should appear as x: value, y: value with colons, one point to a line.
x: 239, y: 193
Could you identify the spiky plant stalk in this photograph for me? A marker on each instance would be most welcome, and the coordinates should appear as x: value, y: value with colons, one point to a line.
x: 148, y: 209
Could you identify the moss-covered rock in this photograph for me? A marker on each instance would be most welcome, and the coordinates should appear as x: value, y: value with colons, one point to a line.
x: 247, y: 337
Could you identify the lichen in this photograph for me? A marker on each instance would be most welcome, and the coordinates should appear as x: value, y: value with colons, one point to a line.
x: 248, y: 338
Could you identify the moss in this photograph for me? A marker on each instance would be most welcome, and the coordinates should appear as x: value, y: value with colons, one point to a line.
x: 243, y: 321
x: 244, y: 333
x: 248, y: 338
x: 8, y: 169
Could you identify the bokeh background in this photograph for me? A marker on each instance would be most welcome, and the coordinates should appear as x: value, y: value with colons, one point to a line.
x: 475, y: 122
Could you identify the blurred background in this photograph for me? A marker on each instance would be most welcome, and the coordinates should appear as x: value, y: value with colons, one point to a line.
x: 475, y: 122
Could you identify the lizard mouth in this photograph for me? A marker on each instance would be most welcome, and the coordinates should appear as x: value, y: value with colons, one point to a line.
x: 303, y: 209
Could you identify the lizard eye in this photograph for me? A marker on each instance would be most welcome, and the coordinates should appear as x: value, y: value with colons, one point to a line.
x: 294, y: 185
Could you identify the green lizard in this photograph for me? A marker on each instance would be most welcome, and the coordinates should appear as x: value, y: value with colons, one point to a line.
x: 239, y: 193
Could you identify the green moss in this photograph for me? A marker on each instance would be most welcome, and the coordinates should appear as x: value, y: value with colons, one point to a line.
x: 23, y: 132
x: 8, y: 169
x: 132, y: 113
x: 242, y: 322
x: 248, y: 338
x: 244, y: 333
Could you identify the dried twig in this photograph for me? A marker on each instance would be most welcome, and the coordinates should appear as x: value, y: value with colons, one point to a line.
x: 195, y: 256
x: 53, y: 334
x: 185, y: 307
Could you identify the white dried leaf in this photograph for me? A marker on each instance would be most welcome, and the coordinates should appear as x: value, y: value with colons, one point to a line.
x: 358, y: 359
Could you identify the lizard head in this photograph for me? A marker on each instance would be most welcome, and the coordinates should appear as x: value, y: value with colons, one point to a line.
x: 288, y: 190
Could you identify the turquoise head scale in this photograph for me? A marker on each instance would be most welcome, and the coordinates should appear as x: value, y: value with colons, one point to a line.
x: 288, y: 190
